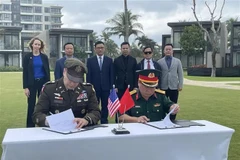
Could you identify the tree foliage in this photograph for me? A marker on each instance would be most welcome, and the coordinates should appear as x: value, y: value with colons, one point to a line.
x: 111, y: 48
x: 80, y: 53
x: 192, y: 40
x: 145, y: 41
x: 229, y: 23
x: 118, y: 25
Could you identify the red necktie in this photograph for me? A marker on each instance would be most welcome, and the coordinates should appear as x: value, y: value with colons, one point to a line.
x: 148, y: 65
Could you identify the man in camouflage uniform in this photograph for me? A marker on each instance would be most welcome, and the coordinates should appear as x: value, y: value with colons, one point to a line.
x: 68, y: 92
x: 151, y: 104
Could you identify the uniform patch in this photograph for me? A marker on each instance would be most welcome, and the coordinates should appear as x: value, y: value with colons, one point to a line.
x: 58, y: 101
x: 59, y: 98
x: 83, y: 111
x: 157, y: 105
x: 82, y: 95
x: 137, y: 107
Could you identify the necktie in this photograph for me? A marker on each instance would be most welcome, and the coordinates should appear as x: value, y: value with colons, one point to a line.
x: 148, y: 65
x: 100, y: 63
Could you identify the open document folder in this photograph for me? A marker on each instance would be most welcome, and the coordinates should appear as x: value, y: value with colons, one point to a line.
x: 62, y: 123
x: 166, y: 123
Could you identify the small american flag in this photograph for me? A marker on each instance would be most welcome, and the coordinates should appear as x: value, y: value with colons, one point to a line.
x: 113, y: 103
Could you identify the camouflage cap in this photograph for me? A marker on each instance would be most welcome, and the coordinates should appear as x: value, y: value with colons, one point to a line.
x: 75, y: 69
x: 148, y: 77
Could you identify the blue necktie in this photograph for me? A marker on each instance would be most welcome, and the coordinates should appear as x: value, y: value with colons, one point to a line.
x: 100, y: 63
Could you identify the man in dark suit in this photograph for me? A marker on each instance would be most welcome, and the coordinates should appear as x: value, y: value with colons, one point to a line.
x: 124, y: 70
x: 148, y: 63
x: 100, y: 74
x: 69, y: 50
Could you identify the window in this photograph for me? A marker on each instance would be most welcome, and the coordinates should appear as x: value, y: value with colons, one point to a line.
x: 28, y: 27
x: 53, y: 46
x: 236, y: 58
x: 37, y: 1
x: 5, y: 16
x: 47, y: 18
x: 56, y: 10
x: 56, y: 26
x: 47, y: 10
x: 176, y: 39
x: 56, y: 19
x: 38, y: 18
x: 47, y: 27
x: 26, y: 9
x: 11, y: 41
x: 6, y: 7
x: 236, y: 32
x: 79, y: 41
x: 38, y: 27
x: 26, y: 1
x: 27, y: 18
x: 37, y: 9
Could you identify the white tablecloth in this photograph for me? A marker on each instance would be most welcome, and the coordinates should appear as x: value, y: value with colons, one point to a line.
x: 208, y: 142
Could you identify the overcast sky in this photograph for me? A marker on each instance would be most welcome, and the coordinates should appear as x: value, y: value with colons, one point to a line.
x: 155, y: 14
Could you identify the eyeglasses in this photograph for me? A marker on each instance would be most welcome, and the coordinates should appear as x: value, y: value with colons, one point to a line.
x: 147, y: 52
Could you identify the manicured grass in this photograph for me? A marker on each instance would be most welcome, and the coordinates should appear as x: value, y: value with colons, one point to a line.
x: 197, y: 103
x: 237, y: 84
x: 208, y: 78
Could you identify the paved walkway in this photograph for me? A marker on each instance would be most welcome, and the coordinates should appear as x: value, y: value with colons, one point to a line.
x: 223, y: 84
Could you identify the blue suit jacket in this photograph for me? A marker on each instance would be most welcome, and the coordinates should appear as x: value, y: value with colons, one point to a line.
x: 58, y: 72
x: 101, y: 80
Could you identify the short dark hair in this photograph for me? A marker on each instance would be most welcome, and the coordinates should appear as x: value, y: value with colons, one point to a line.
x: 168, y: 44
x: 98, y: 42
x: 125, y: 43
x: 146, y: 48
x: 68, y: 44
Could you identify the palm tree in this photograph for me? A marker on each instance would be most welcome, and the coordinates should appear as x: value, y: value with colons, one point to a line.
x: 111, y: 48
x: 118, y: 24
x: 145, y: 41
x: 93, y: 37
x: 126, y: 22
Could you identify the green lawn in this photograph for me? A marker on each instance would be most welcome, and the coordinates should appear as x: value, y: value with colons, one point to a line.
x: 217, y: 105
x: 237, y: 84
x: 206, y: 78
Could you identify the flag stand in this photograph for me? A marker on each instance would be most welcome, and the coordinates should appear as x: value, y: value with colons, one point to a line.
x: 120, y: 129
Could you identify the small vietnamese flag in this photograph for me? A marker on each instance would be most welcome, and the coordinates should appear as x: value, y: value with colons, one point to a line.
x: 126, y: 102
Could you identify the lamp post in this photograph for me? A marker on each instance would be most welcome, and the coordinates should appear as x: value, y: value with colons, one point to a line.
x: 89, y: 53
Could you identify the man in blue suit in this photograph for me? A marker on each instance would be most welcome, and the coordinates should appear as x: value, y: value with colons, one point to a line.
x: 69, y: 50
x: 100, y: 75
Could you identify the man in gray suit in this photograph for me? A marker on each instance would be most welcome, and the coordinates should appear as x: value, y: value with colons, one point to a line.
x: 172, y: 75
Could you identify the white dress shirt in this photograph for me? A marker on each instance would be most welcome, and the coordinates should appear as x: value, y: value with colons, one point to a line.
x: 146, y: 64
x: 99, y: 59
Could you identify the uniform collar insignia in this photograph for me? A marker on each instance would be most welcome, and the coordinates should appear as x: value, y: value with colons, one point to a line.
x: 157, y: 105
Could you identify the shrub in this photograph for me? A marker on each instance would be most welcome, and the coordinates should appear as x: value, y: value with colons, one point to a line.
x: 10, y: 69
x: 199, y: 66
x: 237, y: 66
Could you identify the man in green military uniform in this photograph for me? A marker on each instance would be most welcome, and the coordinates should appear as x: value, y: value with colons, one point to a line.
x: 151, y: 104
x: 68, y: 92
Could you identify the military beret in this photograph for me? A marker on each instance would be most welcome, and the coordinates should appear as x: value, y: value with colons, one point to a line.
x: 75, y: 69
x: 148, y: 77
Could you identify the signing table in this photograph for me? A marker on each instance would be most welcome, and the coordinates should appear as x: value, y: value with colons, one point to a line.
x: 209, y: 142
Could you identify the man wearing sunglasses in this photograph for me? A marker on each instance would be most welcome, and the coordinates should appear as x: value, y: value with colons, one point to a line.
x: 148, y: 63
